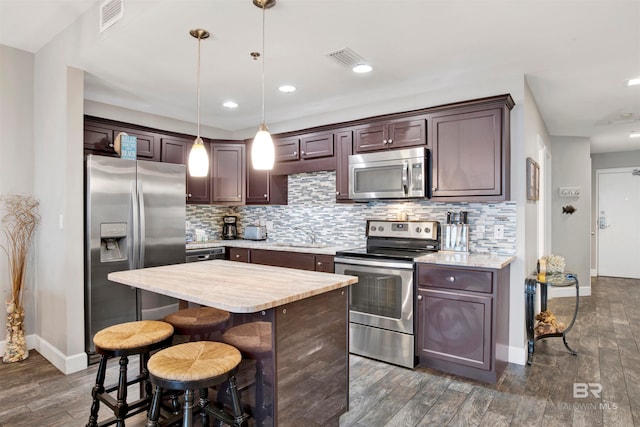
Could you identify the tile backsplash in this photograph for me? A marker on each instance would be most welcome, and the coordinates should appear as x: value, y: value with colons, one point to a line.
x: 312, y: 205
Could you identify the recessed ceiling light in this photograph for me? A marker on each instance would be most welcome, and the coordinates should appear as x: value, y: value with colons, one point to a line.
x: 287, y: 88
x: 362, y: 68
x: 634, y: 134
x: 230, y: 104
x: 632, y: 82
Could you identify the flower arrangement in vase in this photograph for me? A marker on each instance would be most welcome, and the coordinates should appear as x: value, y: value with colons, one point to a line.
x: 18, y: 225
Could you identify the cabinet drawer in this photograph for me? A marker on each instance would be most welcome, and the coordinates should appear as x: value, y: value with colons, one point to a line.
x: 454, y: 278
x: 238, y: 254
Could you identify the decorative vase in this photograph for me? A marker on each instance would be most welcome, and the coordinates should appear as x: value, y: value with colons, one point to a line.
x: 16, y: 344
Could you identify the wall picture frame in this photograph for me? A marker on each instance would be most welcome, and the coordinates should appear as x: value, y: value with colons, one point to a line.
x: 533, y: 180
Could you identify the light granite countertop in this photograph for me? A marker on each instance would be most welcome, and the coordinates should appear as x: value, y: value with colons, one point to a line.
x: 233, y: 286
x: 319, y: 248
x: 464, y: 259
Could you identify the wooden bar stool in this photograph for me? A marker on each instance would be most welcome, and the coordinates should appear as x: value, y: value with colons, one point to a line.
x: 191, y: 366
x: 198, y: 323
x: 124, y: 340
x: 254, y: 340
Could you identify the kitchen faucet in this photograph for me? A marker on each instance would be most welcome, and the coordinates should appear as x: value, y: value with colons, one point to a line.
x: 309, y: 231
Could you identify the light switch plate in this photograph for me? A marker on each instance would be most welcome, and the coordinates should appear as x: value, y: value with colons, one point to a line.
x: 569, y: 191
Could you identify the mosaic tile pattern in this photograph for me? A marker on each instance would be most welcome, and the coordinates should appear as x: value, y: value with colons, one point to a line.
x: 312, y: 206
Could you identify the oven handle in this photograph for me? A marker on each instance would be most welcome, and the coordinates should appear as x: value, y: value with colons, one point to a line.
x: 370, y: 263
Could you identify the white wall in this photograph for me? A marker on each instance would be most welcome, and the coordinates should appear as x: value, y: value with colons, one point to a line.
x: 572, y: 232
x: 16, y: 154
x: 621, y: 159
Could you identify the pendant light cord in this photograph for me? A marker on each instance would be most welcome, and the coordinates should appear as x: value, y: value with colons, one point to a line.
x: 198, y: 89
x: 263, y: 59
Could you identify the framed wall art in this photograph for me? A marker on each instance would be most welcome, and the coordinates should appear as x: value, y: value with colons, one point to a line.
x: 533, y: 180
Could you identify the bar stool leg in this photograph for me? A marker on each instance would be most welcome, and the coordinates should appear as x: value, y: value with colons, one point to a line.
x: 98, y: 389
x: 235, y: 400
x: 154, y: 409
x: 202, y: 403
x: 122, y: 408
x: 187, y: 413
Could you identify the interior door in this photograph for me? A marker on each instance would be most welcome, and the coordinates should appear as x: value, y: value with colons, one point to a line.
x: 619, y: 222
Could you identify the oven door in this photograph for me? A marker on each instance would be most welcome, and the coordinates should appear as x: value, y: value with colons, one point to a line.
x: 383, y: 296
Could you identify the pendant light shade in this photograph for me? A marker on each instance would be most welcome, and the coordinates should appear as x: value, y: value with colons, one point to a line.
x: 262, y: 150
x: 198, y: 157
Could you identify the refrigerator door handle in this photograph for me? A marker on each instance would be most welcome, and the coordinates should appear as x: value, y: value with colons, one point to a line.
x: 135, y: 221
x: 141, y: 224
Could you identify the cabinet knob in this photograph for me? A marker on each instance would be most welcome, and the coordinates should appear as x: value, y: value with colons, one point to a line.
x: 391, y: 141
x: 384, y: 141
x: 302, y: 153
x: 266, y: 196
x: 451, y: 279
x: 295, y: 153
x: 189, y: 195
x: 337, y: 193
x: 237, y: 255
x: 419, y: 297
x: 434, y: 189
x: 319, y: 264
x: 111, y: 145
x: 239, y: 196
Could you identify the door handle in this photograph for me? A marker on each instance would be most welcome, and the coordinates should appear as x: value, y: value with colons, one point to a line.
x: 405, y: 177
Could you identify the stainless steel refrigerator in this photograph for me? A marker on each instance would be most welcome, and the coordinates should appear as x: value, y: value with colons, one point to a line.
x: 134, y: 218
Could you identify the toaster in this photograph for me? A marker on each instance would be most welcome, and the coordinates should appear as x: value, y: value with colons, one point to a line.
x: 255, y: 232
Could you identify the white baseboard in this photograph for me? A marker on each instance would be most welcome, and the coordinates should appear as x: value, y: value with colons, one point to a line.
x: 594, y: 272
x: 66, y: 364
x: 569, y: 291
x: 517, y: 355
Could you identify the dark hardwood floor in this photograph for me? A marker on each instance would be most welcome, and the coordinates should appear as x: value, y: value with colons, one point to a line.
x: 606, y: 337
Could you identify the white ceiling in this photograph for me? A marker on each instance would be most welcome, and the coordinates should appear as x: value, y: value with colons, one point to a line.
x: 575, y: 55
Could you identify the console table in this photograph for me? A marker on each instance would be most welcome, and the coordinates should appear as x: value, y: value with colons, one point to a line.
x: 531, y: 285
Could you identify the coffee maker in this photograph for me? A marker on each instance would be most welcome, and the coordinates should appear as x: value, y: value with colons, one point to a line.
x: 229, y: 228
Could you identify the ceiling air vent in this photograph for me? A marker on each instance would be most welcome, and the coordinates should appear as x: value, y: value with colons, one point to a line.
x: 346, y: 57
x: 110, y: 12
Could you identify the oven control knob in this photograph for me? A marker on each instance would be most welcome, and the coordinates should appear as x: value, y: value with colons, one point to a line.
x: 373, y: 228
x: 380, y: 228
x: 427, y: 230
x: 418, y: 229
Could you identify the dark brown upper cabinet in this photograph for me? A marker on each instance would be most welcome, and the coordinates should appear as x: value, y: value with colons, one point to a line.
x: 304, y: 153
x: 470, y: 149
x: 228, y: 173
x: 344, y: 148
x: 98, y: 139
x: 385, y: 135
x: 264, y: 188
x: 148, y: 143
x: 176, y: 150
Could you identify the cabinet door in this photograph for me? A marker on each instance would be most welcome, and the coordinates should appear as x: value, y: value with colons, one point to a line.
x: 148, y: 143
x: 198, y: 188
x: 324, y: 263
x: 344, y: 148
x: 455, y: 327
x: 173, y: 150
x: 264, y: 188
x: 407, y: 133
x: 317, y: 145
x: 98, y: 138
x: 227, y: 173
x: 370, y: 137
x: 239, y: 254
x: 287, y: 149
x: 468, y: 156
x: 299, y: 260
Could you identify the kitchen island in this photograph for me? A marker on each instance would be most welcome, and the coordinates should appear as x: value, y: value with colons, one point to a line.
x: 306, y: 371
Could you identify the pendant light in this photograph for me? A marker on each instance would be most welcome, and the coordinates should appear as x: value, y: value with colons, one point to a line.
x: 198, y: 157
x: 262, y: 150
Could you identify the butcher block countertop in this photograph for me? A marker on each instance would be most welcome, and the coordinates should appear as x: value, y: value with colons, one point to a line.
x: 233, y: 286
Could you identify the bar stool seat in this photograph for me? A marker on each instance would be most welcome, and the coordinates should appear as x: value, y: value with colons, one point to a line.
x: 255, y: 341
x: 190, y: 366
x: 198, y: 323
x: 124, y: 340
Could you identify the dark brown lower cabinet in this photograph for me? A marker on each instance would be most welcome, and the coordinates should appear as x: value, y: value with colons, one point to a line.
x: 299, y: 260
x: 463, y: 320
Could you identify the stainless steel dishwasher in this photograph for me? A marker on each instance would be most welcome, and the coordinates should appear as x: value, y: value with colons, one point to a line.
x: 207, y: 254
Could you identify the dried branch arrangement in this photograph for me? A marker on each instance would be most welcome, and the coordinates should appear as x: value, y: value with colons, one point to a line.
x: 18, y: 225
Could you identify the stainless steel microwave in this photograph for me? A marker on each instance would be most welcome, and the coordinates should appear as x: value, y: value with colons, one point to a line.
x: 393, y: 174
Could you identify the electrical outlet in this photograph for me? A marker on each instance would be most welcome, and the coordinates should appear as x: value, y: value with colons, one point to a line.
x: 498, y: 232
x: 269, y: 225
x: 569, y: 191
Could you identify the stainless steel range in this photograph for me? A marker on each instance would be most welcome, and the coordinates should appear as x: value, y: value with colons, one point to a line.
x: 381, y: 304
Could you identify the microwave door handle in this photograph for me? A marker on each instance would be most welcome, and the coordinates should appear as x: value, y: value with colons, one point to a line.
x: 405, y: 177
